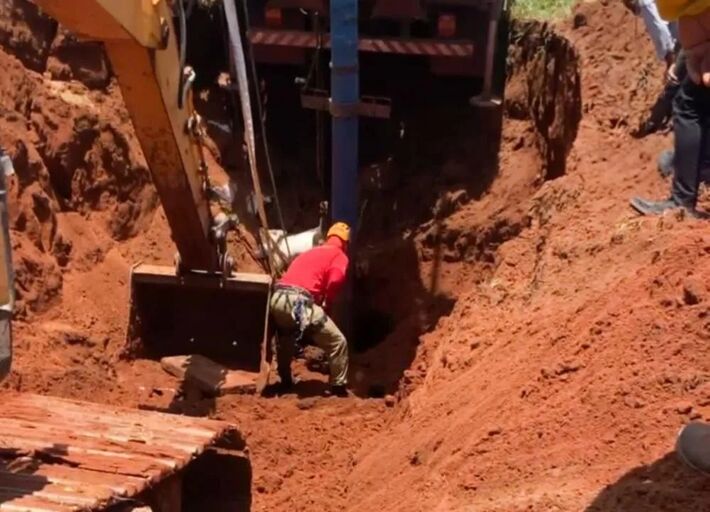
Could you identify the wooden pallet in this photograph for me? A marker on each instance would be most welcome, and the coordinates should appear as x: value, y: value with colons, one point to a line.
x: 59, y: 455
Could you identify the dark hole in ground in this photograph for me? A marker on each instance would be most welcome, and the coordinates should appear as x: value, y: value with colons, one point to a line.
x: 371, y: 328
x: 219, y: 480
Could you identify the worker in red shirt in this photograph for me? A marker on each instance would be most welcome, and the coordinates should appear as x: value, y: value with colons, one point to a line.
x: 302, y: 300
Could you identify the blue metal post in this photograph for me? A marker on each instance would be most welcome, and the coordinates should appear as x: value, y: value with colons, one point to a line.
x: 345, y: 96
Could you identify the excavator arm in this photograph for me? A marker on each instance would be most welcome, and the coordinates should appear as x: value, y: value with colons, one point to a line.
x: 142, y: 46
x: 199, y: 306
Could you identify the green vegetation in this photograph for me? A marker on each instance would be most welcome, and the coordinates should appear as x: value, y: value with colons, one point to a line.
x: 543, y: 10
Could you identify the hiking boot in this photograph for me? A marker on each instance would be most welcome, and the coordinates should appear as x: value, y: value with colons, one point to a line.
x: 646, y: 207
x: 665, y: 163
x: 693, y: 446
x: 284, y: 386
x: 339, y: 390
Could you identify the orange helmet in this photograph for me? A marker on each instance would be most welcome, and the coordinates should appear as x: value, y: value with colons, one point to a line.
x: 341, y: 230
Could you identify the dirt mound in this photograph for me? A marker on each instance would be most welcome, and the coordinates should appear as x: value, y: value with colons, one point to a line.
x: 545, y: 87
x: 542, y: 342
x: 74, y: 153
x: 561, y: 376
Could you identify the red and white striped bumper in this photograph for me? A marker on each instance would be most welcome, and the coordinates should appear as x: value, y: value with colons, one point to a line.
x: 425, y: 47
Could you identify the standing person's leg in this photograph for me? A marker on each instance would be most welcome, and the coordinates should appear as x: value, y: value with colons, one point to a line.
x: 688, y: 128
x: 690, y: 110
x: 664, y: 104
x: 705, y: 158
x: 281, y: 312
x: 328, y: 336
x: 666, y: 160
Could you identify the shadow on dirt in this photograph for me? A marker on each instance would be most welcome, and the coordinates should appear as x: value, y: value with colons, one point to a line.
x: 398, y: 291
x: 663, y: 486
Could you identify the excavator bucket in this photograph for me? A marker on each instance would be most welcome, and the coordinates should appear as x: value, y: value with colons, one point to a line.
x: 225, y: 319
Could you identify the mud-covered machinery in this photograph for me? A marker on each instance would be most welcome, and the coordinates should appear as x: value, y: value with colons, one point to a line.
x: 199, y: 305
x: 456, y: 37
x: 366, y: 43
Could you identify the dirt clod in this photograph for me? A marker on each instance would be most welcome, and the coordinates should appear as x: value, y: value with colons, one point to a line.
x: 684, y: 407
x: 694, y: 291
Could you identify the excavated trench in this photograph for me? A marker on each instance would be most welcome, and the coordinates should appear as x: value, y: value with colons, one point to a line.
x: 434, y: 160
x: 433, y: 157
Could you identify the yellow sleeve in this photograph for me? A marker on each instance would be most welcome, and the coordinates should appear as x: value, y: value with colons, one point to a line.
x: 671, y: 10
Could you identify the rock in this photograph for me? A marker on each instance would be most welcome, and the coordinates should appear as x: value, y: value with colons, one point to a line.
x: 580, y: 20
x: 694, y: 291
x: 390, y: 400
x: 316, y: 360
x: 684, y: 407
x: 208, y: 376
x: 306, y: 403
x: 495, y: 431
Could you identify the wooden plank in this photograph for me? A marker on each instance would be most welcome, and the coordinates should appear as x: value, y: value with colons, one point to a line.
x: 58, y: 438
x: 98, y: 454
x: 59, y: 405
x: 130, y: 467
x: 124, y: 436
x: 208, y: 376
x: 160, y: 424
x: 32, y: 504
x: 58, y: 448
x: 99, y: 423
x: 54, y: 493
x: 33, y: 482
x: 122, y: 485
x: 84, y: 482
x: 62, y: 405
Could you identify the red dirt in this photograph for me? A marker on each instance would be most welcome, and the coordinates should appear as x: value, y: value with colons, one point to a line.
x: 576, y: 347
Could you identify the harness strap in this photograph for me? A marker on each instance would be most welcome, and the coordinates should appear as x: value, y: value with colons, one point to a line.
x: 299, y: 300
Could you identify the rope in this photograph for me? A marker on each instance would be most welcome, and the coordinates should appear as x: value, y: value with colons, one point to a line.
x: 239, y: 69
x: 183, y: 51
x: 262, y: 122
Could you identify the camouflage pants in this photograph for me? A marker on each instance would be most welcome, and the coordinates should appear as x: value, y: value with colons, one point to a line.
x: 321, y: 330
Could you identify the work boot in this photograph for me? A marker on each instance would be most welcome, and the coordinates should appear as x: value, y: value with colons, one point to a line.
x: 339, y: 390
x: 693, y: 446
x: 646, y: 207
x: 665, y: 163
x: 646, y: 128
x: 284, y: 386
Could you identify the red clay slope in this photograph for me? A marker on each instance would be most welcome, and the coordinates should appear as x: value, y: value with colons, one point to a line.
x: 560, y: 382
